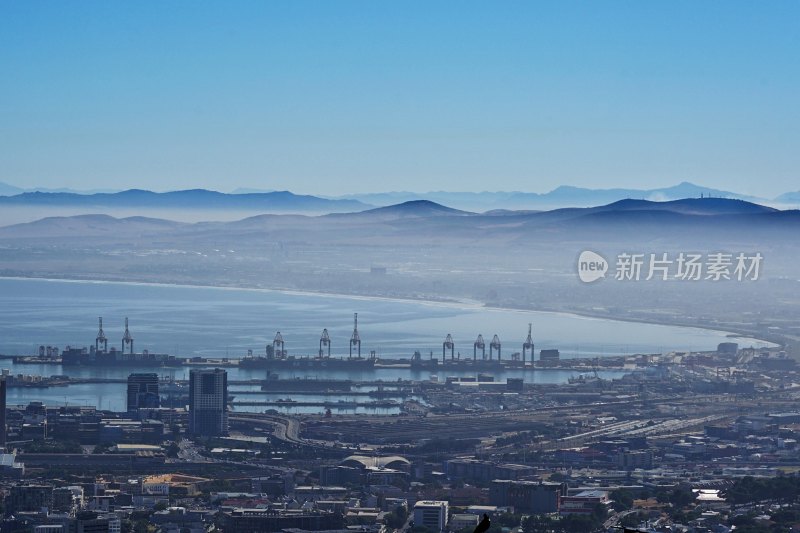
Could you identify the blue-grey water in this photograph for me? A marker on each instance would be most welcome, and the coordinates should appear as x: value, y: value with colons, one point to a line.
x: 216, y: 322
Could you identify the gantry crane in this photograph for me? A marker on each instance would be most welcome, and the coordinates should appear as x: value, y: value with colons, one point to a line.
x: 127, y: 338
x: 278, y: 342
x: 101, y: 338
x: 494, y: 345
x: 528, y: 345
x: 355, y: 339
x: 325, y: 340
x: 448, y: 344
x: 478, y: 344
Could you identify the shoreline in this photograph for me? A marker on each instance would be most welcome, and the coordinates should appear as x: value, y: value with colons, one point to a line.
x: 453, y: 303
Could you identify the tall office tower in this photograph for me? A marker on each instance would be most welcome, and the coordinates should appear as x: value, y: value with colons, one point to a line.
x: 143, y: 391
x: 2, y: 414
x: 208, y: 402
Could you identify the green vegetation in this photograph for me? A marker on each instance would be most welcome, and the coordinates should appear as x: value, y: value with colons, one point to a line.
x: 397, y: 518
x: 748, y: 490
x: 53, y: 446
x: 679, y: 497
x: 103, y: 447
x: 568, y: 523
x: 160, y: 506
x: 623, y: 500
x: 172, y: 449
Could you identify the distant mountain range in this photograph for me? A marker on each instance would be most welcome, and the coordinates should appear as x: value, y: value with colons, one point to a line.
x: 284, y: 201
x: 564, y: 196
x: 279, y: 201
x: 10, y: 190
x: 418, y: 218
x: 789, y: 198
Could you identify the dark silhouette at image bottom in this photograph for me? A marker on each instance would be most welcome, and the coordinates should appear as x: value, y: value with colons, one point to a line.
x: 484, y: 524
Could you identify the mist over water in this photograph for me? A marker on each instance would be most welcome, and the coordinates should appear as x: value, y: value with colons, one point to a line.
x: 214, y: 322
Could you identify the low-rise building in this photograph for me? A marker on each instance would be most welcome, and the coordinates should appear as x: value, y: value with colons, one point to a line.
x: 537, y: 497
x: 583, y: 503
x: 432, y: 514
x: 463, y: 521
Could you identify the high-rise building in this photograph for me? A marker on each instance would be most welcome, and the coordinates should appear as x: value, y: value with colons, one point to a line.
x: 208, y: 402
x: 143, y: 391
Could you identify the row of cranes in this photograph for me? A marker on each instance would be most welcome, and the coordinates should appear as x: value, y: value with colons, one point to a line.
x: 495, y: 344
x: 127, y: 338
x: 276, y: 349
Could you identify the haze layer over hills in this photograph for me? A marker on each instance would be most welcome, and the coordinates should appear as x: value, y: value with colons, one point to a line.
x: 520, y: 259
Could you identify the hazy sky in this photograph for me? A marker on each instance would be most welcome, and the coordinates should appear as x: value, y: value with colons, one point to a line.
x: 336, y: 97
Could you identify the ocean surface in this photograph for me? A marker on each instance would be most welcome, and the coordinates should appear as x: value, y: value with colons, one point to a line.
x: 220, y: 322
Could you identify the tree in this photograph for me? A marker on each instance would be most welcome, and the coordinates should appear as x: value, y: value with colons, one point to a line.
x: 101, y: 448
x: 507, y: 520
x: 173, y: 449
x: 630, y: 520
x: 579, y: 523
x: 623, y: 500
x: 600, y: 512
x: 679, y: 497
x: 396, y: 518
x: 53, y: 446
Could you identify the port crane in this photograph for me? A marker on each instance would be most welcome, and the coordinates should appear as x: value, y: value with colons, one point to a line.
x: 355, y: 340
x: 276, y: 342
x: 478, y: 344
x: 101, y: 338
x: 448, y: 344
x: 325, y: 340
x: 528, y: 344
x: 494, y: 345
x: 127, y: 338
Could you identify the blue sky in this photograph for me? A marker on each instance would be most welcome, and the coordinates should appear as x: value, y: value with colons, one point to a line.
x: 333, y: 97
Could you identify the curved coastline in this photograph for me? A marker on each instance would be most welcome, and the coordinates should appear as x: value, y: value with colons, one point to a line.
x: 453, y: 303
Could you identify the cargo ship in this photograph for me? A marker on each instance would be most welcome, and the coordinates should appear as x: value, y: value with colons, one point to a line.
x: 418, y: 363
x: 277, y: 357
x: 83, y: 357
x: 301, y: 363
